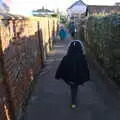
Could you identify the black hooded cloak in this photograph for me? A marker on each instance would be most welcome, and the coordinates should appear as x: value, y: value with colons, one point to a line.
x: 73, y: 67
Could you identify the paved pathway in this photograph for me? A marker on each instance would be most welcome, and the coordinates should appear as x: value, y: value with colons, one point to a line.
x: 51, y: 98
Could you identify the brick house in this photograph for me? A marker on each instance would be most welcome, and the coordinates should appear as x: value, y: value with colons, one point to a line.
x: 80, y: 9
x: 102, y: 9
x: 117, y: 3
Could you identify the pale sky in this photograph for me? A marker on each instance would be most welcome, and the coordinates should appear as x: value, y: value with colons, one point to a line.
x: 26, y: 6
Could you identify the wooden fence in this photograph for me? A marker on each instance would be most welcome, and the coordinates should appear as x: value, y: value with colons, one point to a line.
x: 24, y: 44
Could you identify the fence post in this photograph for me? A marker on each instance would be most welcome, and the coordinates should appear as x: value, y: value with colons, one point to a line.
x: 40, y: 38
x: 49, y: 40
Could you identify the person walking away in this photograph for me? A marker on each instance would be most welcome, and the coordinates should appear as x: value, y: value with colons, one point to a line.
x: 62, y: 33
x: 72, y: 29
x: 73, y: 69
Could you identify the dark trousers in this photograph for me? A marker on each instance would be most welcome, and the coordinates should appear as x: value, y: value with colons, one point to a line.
x: 73, y: 34
x: 74, y: 91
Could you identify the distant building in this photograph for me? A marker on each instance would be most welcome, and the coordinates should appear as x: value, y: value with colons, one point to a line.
x: 98, y: 9
x: 77, y: 9
x: 42, y: 12
x: 117, y: 4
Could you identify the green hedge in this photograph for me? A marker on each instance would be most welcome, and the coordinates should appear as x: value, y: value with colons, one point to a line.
x: 103, y: 35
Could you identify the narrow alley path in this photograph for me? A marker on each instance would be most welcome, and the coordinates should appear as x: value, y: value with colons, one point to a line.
x: 51, y: 98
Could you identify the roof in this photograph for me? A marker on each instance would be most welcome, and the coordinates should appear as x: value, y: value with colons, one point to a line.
x: 100, y: 8
x: 76, y: 4
x: 7, y: 16
x: 42, y: 10
x: 117, y: 3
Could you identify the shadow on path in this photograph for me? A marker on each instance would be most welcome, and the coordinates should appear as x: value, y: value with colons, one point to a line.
x: 51, y: 98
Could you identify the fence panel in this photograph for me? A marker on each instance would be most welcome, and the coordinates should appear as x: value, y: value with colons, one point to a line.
x: 23, y: 43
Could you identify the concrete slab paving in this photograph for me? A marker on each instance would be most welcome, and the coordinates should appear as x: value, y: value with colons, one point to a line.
x: 50, y: 100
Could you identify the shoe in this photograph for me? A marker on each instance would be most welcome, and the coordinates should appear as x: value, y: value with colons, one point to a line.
x: 73, y: 106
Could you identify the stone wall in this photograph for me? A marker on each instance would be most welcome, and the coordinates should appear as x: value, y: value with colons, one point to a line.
x: 103, y: 36
x: 24, y: 45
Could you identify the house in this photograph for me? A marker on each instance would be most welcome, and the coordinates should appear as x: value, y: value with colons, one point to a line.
x: 117, y: 3
x: 103, y: 9
x: 77, y: 9
x: 42, y: 12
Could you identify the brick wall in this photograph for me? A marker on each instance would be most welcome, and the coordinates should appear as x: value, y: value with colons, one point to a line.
x: 25, y: 44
